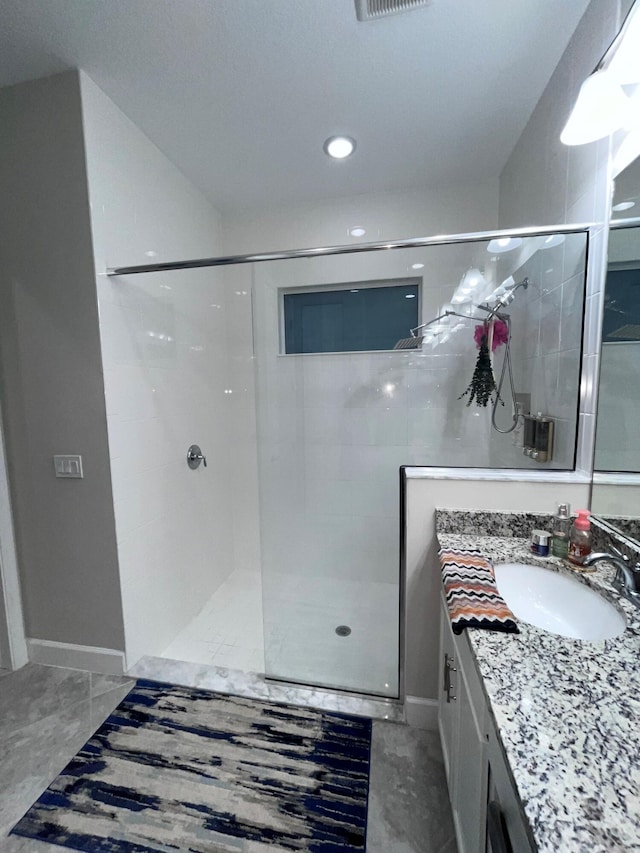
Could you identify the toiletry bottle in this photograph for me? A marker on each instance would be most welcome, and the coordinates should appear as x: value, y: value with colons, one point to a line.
x: 561, y: 529
x: 580, y: 537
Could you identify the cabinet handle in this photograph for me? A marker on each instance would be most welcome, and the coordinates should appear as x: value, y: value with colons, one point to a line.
x: 447, y: 686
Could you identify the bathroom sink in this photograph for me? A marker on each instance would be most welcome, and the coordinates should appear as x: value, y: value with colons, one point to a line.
x: 557, y: 603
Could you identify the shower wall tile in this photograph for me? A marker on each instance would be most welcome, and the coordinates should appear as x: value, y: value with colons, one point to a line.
x: 564, y: 439
x: 338, y: 461
x: 372, y: 497
x: 551, y: 320
x: 345, y: 426
x: 292, y: 390
x: 619, y: 405
x: 146, y: 496
x: 551, y: 270
x: 579, y: 174
x: 431, y: 388
x: 565, y: 399
x: 166, y: 368
x: 583, y: 165
x: 572, y: 312
x: 526, y: 335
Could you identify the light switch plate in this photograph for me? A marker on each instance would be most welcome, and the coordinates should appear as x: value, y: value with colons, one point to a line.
x: 68, y: 466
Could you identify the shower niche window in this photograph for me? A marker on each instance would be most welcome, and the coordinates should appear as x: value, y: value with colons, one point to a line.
x: 362, y: 316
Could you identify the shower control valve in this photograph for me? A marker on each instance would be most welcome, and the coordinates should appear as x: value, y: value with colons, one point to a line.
x: 195, y: 457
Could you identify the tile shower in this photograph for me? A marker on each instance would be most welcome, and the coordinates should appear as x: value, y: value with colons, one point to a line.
x: 334, y: 427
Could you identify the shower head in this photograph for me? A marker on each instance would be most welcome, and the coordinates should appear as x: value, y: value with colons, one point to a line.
x: 509, y: 296
x: 414, y: 342
x: 505, y: 298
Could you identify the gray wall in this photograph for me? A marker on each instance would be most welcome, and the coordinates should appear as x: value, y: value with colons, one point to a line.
x: 52, y: 384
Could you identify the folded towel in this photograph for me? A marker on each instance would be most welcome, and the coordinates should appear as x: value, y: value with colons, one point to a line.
x: 472, y: 594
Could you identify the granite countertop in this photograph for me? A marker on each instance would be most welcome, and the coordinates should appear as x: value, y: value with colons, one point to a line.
x: 567, y: 712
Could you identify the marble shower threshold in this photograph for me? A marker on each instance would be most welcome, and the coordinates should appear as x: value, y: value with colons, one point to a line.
x: 255, y: 686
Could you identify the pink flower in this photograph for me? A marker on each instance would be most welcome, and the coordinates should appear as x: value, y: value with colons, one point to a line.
x: 500, y: 334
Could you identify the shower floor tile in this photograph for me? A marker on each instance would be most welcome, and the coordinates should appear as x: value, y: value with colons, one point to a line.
x: 228, y: 630
x: 301, y: 615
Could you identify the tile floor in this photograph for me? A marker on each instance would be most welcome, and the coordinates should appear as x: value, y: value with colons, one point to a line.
x: 300, y: 643
x: 228, y: 630
x: 47, y: 714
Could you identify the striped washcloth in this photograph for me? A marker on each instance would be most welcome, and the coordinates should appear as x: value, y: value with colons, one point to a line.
x: 472, y: 594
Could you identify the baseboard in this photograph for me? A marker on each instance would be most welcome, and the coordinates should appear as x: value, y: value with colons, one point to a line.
x: 421, y: 713
x: 91, y: 658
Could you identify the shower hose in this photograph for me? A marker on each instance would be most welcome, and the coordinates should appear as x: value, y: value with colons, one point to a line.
x: 506, y: 364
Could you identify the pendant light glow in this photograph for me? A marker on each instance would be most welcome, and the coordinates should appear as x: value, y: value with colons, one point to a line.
x: 471, y: 279
x: 601, y: 109
x: 602, y: 106
x: 339, y: 147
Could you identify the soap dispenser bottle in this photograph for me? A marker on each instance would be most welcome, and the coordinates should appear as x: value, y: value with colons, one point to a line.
x: 561, y: 530
x: 580, y: 537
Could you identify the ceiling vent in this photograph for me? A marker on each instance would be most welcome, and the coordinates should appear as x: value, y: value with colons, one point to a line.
x: 371, y: 10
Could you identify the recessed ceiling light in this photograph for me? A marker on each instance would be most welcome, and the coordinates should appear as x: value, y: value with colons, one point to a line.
x: 357, y: 231
x: 354, y: 291
x: 624, y: 205
x: 417, y: 266
x: 472, y: 278
x: 504, y: 244
x: 339, y: 147
x: 409, y: 296
x: 553, y: 240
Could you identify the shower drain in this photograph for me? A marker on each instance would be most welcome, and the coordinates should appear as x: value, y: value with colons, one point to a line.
x: 343, y: 630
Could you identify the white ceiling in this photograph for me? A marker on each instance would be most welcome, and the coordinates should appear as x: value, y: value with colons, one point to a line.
x: 241, y: 94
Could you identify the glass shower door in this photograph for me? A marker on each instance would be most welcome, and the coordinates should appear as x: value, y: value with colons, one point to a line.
x: 329, y: 448
x: 339, y: 410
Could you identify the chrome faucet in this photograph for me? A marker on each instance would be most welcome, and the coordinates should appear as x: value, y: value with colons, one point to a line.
x: 627, y: 576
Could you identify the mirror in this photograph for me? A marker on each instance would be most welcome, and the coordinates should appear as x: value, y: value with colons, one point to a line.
x: 616, y: 479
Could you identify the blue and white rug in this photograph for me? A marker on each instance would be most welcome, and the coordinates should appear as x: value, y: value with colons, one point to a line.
x: 178, y: 769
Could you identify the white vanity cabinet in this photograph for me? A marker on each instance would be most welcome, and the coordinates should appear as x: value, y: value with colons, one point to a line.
x: 475, y: 767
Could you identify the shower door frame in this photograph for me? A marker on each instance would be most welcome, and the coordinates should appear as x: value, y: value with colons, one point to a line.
x: 596, y: 262
x: 596, y: 251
